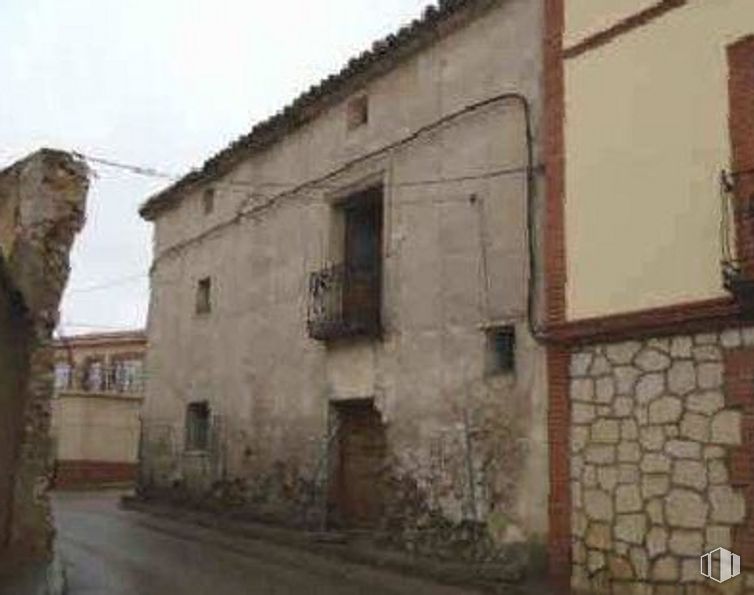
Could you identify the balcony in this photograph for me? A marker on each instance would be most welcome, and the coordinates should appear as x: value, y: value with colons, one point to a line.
x: 737, y: 231
x: 344, y: 302
x: 121, y: 379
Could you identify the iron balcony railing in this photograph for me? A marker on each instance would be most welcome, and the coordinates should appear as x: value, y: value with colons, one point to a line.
x: 344, y: 302
x: 737, y: 235
x: 99, y: 379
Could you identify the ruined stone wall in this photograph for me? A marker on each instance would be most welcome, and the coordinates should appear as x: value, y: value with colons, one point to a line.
x: 41, y: 209
x: 661, y: 444
x: 14, y: 369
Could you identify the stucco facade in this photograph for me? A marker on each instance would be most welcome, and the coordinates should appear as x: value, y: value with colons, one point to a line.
x: 99, y: 390
x: 650, y: 359
x: 660, y: 132
x: 450, y: 140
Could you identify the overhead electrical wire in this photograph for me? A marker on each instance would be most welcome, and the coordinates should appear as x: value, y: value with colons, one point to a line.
x: 154, y: 173
x: 530, y: 169
x: 140, y: 170
x: 321, y: 182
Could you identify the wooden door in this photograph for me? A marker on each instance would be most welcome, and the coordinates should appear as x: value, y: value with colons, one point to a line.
x: 361, y: 457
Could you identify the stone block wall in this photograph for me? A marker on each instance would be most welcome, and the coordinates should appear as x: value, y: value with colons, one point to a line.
x: 42, y: 200
x: 661, y: 442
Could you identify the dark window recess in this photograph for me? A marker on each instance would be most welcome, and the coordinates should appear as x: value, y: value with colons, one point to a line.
x: 345, y: 298
x: 358, y: 112
x: 197, y: 426
x: 208, y: 200
x: 126, y: 375
x: 94, y: 375
x: 63, y: 376
x: 501, y: 350
x: 204, y: 296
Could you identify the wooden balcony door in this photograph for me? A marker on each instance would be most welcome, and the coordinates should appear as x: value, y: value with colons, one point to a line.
x: 363, y: 258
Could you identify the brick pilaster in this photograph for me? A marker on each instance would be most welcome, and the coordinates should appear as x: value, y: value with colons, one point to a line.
x: 739, y: 394
x: 559, y: 505
x: 741, y: 122
x: 554, y: 151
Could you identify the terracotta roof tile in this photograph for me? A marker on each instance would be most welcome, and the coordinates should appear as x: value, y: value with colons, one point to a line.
x: 410, y: 38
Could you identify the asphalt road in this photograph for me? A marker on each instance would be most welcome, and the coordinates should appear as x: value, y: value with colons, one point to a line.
x: 108, y: 551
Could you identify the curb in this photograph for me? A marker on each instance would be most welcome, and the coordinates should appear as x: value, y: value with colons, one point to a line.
x: 338, y: 546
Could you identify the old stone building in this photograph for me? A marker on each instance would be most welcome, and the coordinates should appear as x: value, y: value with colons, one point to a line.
x: 99, y: 390
x: 41, y: 208
x: 338, y: 328
x: 649, y: 153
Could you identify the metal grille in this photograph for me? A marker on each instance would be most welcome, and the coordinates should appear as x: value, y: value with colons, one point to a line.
x: 126, y: 377
x: 736, y: 231
x: 344, y: 301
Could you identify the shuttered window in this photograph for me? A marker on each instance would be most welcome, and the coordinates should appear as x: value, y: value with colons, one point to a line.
x: 197, y: 426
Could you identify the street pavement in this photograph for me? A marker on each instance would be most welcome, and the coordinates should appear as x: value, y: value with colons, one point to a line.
x: 109, y: 551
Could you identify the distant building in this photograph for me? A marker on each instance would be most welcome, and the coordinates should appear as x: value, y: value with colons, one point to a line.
x: 339, y: 318
x: 99, y: 386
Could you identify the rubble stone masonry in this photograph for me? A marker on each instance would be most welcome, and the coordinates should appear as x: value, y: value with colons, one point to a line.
x: 662, y: 433
x: 42, y: 202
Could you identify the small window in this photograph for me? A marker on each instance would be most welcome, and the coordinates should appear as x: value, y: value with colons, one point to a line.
x: 127, y: 375
x: 358, y: 112
x: 94, y: 376
x: 62, y: 376
x: 204, y: 296
x: 208, y: 200
x: 197, y: 426
x: 501, y: 350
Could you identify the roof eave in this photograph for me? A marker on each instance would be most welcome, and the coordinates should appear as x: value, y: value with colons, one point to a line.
x: 307, y: 106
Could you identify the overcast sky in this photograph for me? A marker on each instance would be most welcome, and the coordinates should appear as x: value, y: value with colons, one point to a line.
x: 161, y: 83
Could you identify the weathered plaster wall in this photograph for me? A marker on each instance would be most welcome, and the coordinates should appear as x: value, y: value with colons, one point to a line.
x: 646, y: 137
x: 41, y: 209
x: 655, y: 430
x: 270, y: 385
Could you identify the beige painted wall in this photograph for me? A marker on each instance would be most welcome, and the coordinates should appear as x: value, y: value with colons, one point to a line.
x: 584, y: 18
x: 96, y: 427
x: 252, y: 359
x: 646, y: 139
